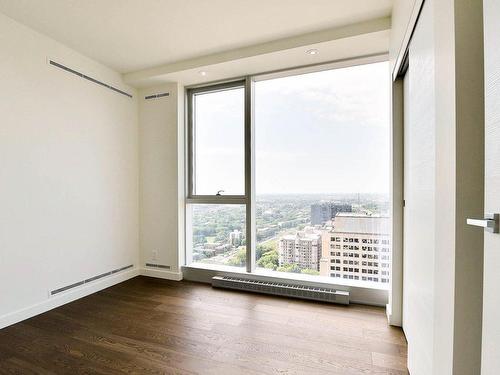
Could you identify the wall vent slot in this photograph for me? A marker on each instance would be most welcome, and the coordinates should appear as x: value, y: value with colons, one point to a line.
x: 155, y: 96
x: 282, y: 289
x: 81, y: 75
x: 89, y: 280
x: 157, y: 266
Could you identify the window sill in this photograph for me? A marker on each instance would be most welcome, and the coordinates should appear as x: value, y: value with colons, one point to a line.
x: 363, y: 292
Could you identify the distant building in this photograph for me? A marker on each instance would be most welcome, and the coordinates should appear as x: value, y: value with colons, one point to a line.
x: 303, y: 249
x: 357, y: 248
x: 266, y: 232
x: 325, y: 211
x: 222, y: 249
x: 235, y: 238
x: 292, y: 223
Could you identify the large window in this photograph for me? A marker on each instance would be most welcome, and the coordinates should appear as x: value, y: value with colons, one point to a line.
x: 290, y: 174
x: 217, y: 130
x: 218, y: 139
x: 218, y: 201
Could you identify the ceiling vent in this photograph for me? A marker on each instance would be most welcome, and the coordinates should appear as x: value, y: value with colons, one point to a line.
x: 156, y: 96
x: 81, y: 75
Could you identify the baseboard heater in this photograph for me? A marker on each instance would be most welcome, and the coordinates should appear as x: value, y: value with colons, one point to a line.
x: 282, y: 289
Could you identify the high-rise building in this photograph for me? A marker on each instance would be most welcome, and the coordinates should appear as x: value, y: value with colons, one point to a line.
x: 324, y: 211
x: 235, y: 237
x: 357, y: 248
x: 302, y: 249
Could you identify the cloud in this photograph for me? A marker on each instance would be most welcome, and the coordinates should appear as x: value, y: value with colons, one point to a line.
x: 354, y: 96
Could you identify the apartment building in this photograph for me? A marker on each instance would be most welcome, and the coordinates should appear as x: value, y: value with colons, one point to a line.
x: 235, y: 237
x: 357, y: 248
x: 324, y: 211
x: 302, y: 248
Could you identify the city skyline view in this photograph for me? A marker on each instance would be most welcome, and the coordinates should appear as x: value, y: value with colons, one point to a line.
x: 295, y: 236
x: 321, y: 174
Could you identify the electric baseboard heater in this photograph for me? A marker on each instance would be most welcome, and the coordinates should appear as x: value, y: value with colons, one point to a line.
x: 282, y: 289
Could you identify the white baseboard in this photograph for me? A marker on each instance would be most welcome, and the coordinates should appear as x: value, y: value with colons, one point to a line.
x: 66, y: 297
x: 162, y: 274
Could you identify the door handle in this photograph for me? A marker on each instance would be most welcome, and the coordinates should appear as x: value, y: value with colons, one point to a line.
x: 489, y: 223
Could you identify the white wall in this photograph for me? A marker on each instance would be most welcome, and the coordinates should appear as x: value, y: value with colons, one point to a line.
x: 400, y: 18
x: 68, y: 172
x: 161, y: 179
x: 404, y: 13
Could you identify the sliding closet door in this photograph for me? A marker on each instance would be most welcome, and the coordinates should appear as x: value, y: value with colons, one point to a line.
x: 419, y: 192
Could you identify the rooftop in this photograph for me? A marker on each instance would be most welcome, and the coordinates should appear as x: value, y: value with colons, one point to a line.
x: 360, y: 223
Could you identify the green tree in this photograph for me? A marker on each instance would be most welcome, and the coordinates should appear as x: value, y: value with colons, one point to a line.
x: 309, y: 271
x: 293, y: 268
x: 269, y: 260
x: 238, y: 259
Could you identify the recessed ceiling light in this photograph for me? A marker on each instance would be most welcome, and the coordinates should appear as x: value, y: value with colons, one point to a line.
x: 202, y: 73
x: 312, y: 51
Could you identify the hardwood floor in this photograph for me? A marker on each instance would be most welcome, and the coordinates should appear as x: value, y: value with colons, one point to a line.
x: 152, y: 326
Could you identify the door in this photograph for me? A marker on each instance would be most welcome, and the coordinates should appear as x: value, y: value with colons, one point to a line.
x: 491, y: 295
x: 419, y: 193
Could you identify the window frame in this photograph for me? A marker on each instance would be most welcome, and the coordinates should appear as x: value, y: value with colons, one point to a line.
x: 191, y: 160
x: 248, y: 198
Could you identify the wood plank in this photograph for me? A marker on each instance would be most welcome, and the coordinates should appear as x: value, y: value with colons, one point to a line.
x: 150, y: 326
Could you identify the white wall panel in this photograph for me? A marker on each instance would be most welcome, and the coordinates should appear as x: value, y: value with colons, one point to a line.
x: 419, y: 195
x: 68, y: 170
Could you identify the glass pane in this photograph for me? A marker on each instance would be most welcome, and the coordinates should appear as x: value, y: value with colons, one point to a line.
x: 218, y: 234
x: 322, y: 173
x: 219, y: 143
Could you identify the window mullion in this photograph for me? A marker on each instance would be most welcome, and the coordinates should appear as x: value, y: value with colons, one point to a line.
x: 250, y: 174
x: 212, y: 199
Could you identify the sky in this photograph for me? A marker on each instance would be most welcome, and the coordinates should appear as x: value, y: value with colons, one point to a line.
x: 317, y: 133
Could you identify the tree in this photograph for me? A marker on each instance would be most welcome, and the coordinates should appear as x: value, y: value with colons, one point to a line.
x: 309, y: 271
x: 269, y: 260
x: 294, y: 268
x: 261, y: 249
x: 238, y: 259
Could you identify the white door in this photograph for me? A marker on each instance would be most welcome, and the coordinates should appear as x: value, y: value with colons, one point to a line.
x: 491, y: 287
x: 419, y: 193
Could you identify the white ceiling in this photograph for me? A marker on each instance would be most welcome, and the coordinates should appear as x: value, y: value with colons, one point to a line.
x: 130, y: 35
x: 371, y: 44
